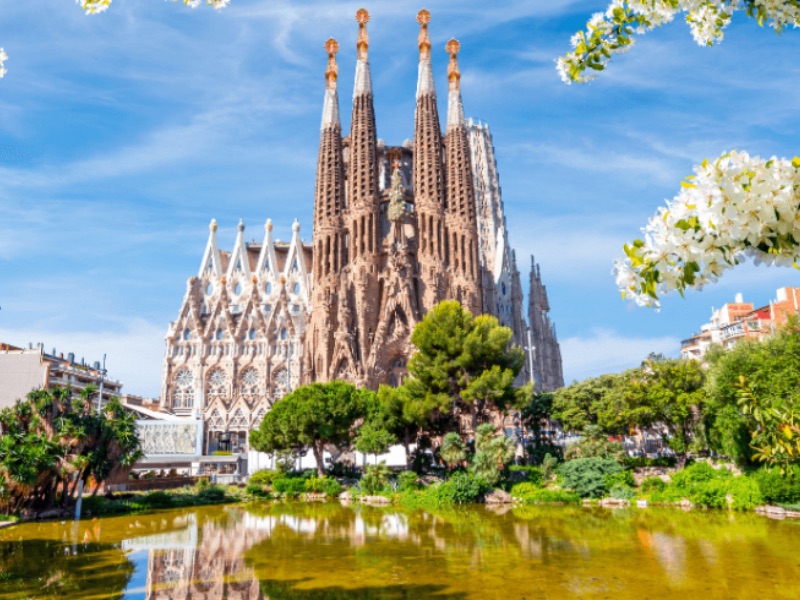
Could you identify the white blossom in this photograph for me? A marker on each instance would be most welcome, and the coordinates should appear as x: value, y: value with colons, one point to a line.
x: 613, y: 32
x: 735, y: 207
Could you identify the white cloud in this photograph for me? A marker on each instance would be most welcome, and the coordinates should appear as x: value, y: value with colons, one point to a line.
x: 134, y: 353
x: 607, y: 351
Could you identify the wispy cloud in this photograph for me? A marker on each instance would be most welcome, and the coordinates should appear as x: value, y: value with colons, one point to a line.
x: 608, y: 351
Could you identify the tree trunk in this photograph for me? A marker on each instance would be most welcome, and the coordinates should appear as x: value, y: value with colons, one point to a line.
x: 316, y: 448
x: 406, y: 445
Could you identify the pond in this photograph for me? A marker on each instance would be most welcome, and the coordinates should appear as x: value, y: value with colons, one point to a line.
x: 323, y: 551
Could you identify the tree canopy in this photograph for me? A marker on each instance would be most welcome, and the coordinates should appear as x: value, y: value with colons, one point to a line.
x: 54, y: 439
x: 313, y: 416
x: 463, y: 365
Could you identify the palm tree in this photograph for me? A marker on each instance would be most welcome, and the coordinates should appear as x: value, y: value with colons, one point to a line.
x: 452, y: 451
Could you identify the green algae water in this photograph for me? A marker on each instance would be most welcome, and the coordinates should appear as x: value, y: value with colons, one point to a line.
x: 308, y: 551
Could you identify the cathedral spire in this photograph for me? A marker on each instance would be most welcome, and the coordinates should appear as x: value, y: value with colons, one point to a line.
x: 455, y: 109
x: 425, y: 76
x: 330, y: 110
x: 239, y: 263
x: 429, y: 196
x: 211, y: 261
x: 363, y: 79
x: 363, y: 164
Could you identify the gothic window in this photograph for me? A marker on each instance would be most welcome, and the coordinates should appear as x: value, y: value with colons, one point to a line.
x: 237, y: 289
x: 268, y: 288
x: 294, y: 265
x: 266, y: 264
x: 209, y: 289
x: 216, y: 422
x: 284, y: 333
x: 504, y: 288
x: 218, y: 334
x: 281, y: 378
x: 183, y: 389
x: 259, y: 417
x: 296, y: 288
x: 187, y: 334
x: 252, y: 333
x: 249, y: 382
x: 217, y: 385
x: 239, y: 421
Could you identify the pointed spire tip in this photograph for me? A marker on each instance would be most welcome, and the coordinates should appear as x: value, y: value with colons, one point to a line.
x: 212, y: 227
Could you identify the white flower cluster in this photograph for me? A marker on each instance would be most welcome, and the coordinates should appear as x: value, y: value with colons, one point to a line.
x: 733, y: 207
x: 612, y: 32
x: 3, y: 59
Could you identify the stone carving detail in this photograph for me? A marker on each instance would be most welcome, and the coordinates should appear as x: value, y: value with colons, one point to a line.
x: 183, y: 393
x: 159, y: 437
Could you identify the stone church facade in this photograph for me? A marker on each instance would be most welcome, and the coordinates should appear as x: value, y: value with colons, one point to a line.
x: 396, y: 229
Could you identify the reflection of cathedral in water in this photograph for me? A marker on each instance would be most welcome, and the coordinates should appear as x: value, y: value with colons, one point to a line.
x: 201, y: 562
x: 207, y: 561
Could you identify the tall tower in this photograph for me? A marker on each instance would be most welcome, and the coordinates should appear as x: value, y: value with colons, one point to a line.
x: 363, y: 212
x: 547, y: 366
x: 429, y: 178
x: 461, y: 221
x: 330, y: 240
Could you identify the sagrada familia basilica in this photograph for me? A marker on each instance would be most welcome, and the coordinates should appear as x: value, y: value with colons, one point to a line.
x: 396, y: 230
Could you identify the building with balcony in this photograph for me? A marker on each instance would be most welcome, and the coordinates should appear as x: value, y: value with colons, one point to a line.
x: 740, y: 320
x: 23, y: 370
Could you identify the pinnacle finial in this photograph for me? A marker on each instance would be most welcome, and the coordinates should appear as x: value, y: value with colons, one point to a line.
x: 268, y: 225
x: 424, y: 40
x: 453, y: 74
x: 296, y: 226
x: 241, y: 225
x: 362, y: 16
x: 212, y: 227
x: 332, y: 72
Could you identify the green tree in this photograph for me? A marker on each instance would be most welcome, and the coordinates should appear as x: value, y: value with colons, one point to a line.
x: 674, y: 391
x: 771, y: 371
x: 311, y: 417
x: 493, y: 451
x: 596, y: 401
x: 55, y: 439
x: 453, y: 451
x: 463, y: 365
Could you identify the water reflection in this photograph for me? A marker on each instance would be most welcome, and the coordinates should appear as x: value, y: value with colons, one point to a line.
x: 326, y: 551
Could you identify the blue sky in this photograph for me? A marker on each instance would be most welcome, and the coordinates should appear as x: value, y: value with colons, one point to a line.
x: 123, y: 134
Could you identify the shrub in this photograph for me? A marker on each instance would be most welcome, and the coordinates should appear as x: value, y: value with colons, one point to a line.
x: 323, y: 485
x: 652, y: 484
x: 461, y: 488
x: 407, y: 480
x: 291, y: 486
x: 587, y: 476
x: 777, y: 488
x: 156, y: 499
x: 620, y: 478
x: 375, y: 479
x: 746, y: 493
x: 265, y: 477
x: 212, y: 494
x: 531, y: 494
x: 256, y: 490
x: 520, y: 473
x: 619, y: 491
x: 710, y: 494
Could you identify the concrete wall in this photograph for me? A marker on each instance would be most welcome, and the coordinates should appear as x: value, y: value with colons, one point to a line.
x: 20, y: 372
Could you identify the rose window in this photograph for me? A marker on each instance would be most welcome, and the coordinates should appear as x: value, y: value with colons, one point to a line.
x: 217, y: 384
x: 249, y: 382
x: 282, y: 378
